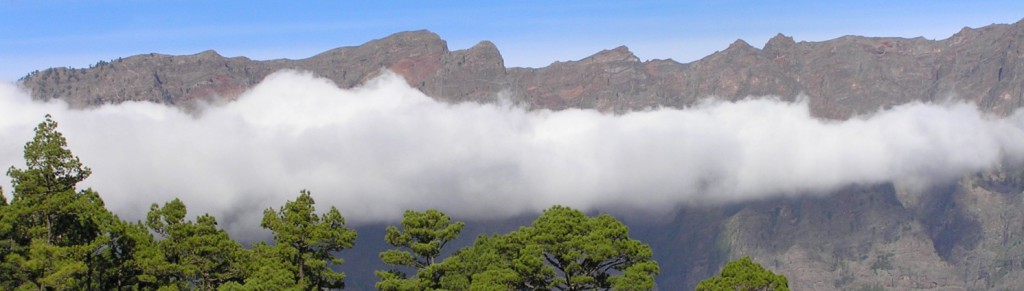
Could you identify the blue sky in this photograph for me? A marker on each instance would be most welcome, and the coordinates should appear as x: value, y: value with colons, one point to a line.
x: 41, y: 34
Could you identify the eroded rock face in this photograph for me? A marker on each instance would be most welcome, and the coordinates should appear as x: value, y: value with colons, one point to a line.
x: 840, y: 77
x: 174, y: 80
x: 964, y: 236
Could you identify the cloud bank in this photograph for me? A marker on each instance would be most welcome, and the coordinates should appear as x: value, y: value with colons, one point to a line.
x: 384, y: 147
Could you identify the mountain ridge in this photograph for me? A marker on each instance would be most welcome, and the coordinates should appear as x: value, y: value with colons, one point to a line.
x: 841, y: 77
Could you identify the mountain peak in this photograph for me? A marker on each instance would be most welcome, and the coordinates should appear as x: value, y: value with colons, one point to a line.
x: 778, y: 43
x: 410, y: 38
x: 620, y: 53
x: 484, y: 52
x: 422, y: 33
x: 208, y: 54
x: 740, y: 47
x: 739, y: 44
x: 484, y: 45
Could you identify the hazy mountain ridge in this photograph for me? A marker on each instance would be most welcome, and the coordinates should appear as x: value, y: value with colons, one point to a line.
x: 967, y: 235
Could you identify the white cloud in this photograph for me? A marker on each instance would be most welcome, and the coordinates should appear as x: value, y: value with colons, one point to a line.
x: 376, y: 150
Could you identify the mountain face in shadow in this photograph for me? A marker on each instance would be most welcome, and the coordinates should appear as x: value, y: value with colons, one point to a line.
x: 967, y: 234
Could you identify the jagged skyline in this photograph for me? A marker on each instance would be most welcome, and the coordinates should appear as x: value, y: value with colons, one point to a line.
x: 41, y: 35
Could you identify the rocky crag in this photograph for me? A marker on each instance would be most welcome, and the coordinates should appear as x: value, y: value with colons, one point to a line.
x: 967, y: 235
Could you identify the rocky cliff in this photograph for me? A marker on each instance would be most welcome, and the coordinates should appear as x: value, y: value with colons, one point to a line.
x: 840, y: 77
x: 965, y: 235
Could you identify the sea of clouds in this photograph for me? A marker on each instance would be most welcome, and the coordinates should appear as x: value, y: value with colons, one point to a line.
x: 378, y: 149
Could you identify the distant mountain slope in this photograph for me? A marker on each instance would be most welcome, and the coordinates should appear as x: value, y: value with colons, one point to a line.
x: 841, y: 77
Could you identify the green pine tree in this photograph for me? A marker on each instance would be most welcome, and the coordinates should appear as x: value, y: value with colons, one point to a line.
x: 419, y: 242
x: 191, y: 254
x: 563, y: 249
x: 306, y: 241
x: 54, y: 235
x: 745, y: 275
